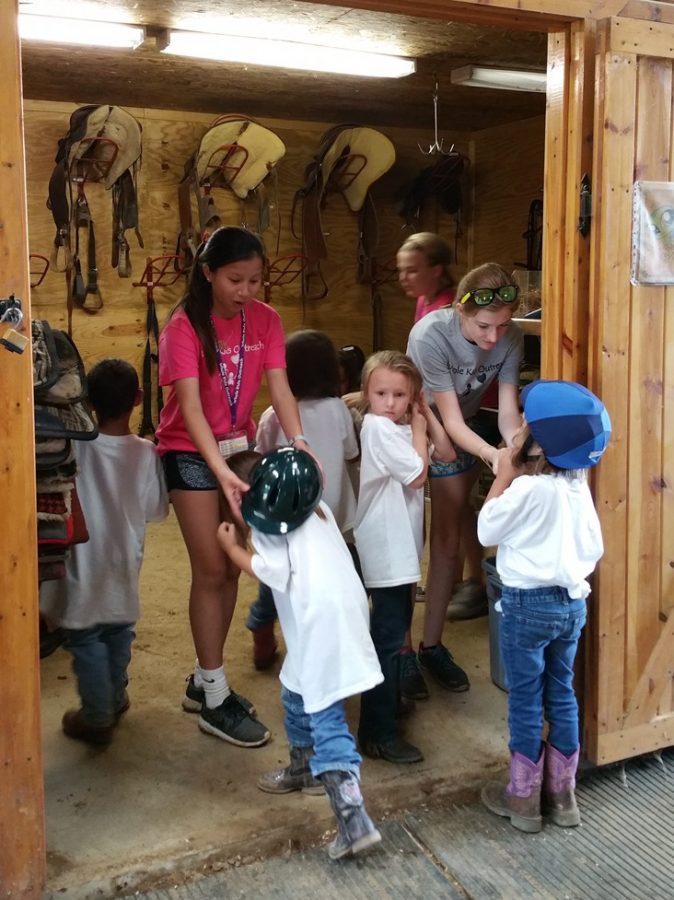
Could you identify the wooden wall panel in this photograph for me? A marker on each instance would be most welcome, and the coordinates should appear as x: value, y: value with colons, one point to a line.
x: 508, y: 176
x: 168, y: 139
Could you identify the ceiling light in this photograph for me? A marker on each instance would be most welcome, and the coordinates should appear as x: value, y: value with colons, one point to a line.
x: 287, y: 55
x: 79, y: 31
x: 499, y: 79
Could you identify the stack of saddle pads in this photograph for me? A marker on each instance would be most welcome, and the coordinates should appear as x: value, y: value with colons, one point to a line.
x: 61, y: 416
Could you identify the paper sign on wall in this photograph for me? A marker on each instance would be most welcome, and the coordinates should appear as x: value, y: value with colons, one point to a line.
x: 653, y: 233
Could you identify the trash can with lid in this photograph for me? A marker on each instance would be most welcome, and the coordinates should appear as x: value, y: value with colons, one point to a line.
x: 496, y: 667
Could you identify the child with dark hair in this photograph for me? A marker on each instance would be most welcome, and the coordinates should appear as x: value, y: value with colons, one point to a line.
x: 313, y: 375
x: 120, y: 485
x: 351, y: 361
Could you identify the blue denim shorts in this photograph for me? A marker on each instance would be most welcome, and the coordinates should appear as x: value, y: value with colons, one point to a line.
x: 486, y: 426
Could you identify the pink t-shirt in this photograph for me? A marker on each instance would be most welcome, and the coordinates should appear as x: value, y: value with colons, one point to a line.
x: 444, y: 298
x: 181, y: 356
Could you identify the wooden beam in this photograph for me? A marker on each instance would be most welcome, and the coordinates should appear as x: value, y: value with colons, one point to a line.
x: 526, y: 15
x: 640, y: 36
x: 649, y: 9
x: 631, y: 742
x: 22, y: 847
x: 554, y: 208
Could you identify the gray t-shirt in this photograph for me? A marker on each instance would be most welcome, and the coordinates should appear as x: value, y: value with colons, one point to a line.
x: 449, y: 362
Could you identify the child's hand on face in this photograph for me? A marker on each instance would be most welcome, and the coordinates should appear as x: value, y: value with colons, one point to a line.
x: 227, y: 535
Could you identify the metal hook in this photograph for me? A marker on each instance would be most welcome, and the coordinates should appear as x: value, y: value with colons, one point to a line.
x: 437, y: 145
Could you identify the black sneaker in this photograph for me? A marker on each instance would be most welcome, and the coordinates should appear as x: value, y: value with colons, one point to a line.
x: 439, y: 662
x: 396, y: 750
x: 232, y: 722
x: 194, y: 699
x: 411, y: 681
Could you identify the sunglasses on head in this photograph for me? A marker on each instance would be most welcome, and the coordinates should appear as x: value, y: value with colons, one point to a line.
x: 486, y: 296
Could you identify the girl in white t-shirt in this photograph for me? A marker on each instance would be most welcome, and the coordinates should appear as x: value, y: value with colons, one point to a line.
x: 389, y: 529
x: 313, y: 374
x: 540, y: 513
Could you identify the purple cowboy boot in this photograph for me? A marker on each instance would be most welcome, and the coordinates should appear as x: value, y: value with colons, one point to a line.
x: 520, y: 799
x: 559, y: 799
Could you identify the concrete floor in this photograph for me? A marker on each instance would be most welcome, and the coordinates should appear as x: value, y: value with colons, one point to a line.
x: 166, y: 798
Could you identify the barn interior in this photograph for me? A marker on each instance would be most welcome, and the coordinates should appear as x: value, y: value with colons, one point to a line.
x: 164, y: 799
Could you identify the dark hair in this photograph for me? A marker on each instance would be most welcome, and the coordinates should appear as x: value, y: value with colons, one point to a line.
x: 313, y: 369
x: 225, y: 246
x: 539, y: 464
x: 112, y: 386
x: 351, y: 359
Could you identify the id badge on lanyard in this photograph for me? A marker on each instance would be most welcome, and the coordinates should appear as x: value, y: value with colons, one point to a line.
x: 236, y: 440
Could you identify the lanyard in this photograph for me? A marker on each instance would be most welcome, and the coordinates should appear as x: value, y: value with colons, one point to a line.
x: 232, y: 399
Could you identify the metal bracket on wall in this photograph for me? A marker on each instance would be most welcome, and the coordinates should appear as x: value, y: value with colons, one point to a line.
x: 585, y: 217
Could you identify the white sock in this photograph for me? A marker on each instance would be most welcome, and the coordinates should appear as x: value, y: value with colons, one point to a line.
x: 215, y: 686
x: 198, y: 674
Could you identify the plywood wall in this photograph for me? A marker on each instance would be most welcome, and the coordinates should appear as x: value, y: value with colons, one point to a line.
x: 508, y: 175
x: 170, y: 137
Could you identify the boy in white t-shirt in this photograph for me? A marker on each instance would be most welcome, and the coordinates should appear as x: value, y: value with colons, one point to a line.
x: 120, y: 484
x: 322, y: 608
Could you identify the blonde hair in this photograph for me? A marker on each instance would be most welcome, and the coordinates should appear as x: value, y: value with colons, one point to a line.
x: 436, y: 251
x: 394, y: 361
x: 488, y: 275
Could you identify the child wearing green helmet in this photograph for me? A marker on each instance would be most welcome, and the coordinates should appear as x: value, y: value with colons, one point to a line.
x: 300, y: 553
x: 540, y: 513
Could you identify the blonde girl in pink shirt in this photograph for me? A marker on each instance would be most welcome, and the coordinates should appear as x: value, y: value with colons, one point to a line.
x: 218, y: 345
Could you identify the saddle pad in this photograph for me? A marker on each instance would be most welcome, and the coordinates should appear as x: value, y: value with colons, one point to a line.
x: 264, y: 150
x: 379, y: 154
x: 117, y: 125
x: 45, y: 357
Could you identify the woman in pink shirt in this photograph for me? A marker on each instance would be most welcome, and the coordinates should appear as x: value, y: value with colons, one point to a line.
x: 213, y: 354
x: 423, y: 271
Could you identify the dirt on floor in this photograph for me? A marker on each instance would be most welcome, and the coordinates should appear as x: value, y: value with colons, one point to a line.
x: 165, y: 798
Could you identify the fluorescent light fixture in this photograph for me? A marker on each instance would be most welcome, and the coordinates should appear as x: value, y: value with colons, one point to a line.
x: 499, y: 79
x: 79, y: 31
x: 287, y: 55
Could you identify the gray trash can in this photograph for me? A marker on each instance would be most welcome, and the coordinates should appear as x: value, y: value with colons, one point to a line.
x: 496, y: 667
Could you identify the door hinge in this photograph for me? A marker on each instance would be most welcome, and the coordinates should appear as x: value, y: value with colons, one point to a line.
x: 585, y: 205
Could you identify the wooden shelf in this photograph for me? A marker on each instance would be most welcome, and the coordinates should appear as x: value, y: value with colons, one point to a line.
x: 529, y: 326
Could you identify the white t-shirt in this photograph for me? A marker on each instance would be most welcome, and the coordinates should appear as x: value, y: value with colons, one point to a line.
x: 120, y: 484
x: 547, y: 531
x: 322, y: 609
x: 328, y: 427
x: 390, y: 518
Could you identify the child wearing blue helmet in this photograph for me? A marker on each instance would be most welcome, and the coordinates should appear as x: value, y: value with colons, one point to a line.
x: 321, y: 604
x: 540, y: 513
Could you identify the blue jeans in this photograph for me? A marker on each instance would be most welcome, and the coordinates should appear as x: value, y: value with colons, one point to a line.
x: 390, y: 618
x: 263, y: 609
x: 540, y: 630
x: 101, y: 656
x: 326, y: 731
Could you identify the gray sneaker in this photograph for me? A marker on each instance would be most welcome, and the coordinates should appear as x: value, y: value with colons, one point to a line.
x: 231, y: 722
x: 469, y: 601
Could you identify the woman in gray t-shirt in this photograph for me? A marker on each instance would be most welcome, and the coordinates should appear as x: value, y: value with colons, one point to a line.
x: 460, y: 351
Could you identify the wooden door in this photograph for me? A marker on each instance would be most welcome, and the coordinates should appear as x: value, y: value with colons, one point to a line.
x: 630, y: 707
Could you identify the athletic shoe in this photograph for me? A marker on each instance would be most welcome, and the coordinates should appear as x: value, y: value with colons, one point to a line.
x: 439, y: 662
x: 468, y: 602
x: 410, y: 680
x: 231, y: 722
x: 195, y: 696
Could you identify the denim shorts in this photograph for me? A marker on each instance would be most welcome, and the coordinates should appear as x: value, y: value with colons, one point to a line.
x: 186, y: 471
x: 483, y: 423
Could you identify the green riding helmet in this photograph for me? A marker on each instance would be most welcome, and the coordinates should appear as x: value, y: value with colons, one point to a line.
x: 285, y: 488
